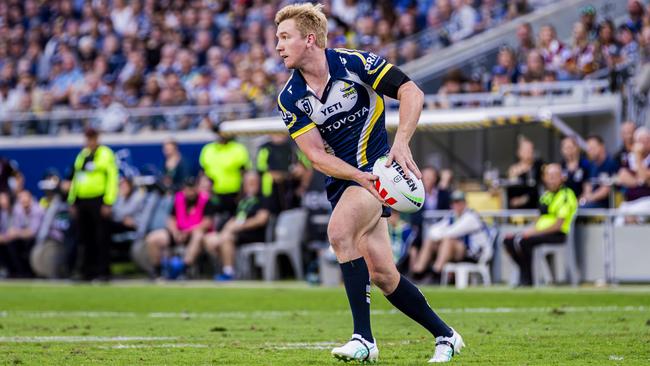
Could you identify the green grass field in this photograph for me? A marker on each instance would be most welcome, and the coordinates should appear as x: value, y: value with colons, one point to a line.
x: 291, y: 324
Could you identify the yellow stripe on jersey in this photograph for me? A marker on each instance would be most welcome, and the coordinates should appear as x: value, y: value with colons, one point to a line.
x: 303, y: 130
x: 293, y: 120
x: 379, y: 108
x: 381, y: 75
x: 376, y: 68
x: 353, y: 53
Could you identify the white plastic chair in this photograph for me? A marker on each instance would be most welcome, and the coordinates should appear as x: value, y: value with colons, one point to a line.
x: 463, y: 270
x: 541, y: 270
x: 289, y: 234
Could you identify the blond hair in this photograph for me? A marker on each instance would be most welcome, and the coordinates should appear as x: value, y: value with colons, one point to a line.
x: 309, y: 18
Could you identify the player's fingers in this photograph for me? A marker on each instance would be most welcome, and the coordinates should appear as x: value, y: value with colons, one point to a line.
x: 402, y: 162
x: 414, y: 168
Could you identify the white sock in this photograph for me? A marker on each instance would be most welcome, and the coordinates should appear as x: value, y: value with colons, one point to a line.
x: 228, y: 270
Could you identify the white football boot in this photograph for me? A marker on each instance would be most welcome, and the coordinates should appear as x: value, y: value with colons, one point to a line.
x: 357, y: 349
x: 447, y: 347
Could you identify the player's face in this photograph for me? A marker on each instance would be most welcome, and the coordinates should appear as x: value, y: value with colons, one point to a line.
x: 291, y: 44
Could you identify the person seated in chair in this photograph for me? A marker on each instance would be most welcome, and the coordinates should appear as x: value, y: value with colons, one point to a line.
x: 458, y: 237
x: 190, y: 219
x: 557, y: 206
x: 247, y: 226
x: 127, y: 207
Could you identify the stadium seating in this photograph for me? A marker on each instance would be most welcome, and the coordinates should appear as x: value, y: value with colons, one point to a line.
x: 541, y: 269
x: 463, y: 270
x: 289, y: 234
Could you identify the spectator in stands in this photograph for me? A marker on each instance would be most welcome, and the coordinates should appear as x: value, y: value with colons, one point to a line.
x: 11, y: 179
x: 608, y: 50
x: 127, y: 210
x: 463, y: 22
x: 524, y: 177
x: 558, y: 207
x: 506, y: 59
x: 601, y: 169
x: 491, y: 14
x: 635, y: 177
x: 92, y: 194
x: 635, y: 13
x: 575, y: 168
x: 553, y: 51
x: 402, y: 235
x: 5, y: 220
x: 525, y: 43
x: 630, y: 52
x: 457, y: 237
x: 535, y: 68
x: 189, y: 221
x: 451, y: 84
x: 247, y: 226
x: 276, y: 160
x: 627, y: 137
x: 588, y: 20
x: 582, y: 60
x: 224, y: 161
x: 175, y: 168
x: 26, y: 218
x: 518, y: 8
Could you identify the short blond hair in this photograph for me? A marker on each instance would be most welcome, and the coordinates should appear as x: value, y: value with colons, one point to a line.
x: 309, y: 18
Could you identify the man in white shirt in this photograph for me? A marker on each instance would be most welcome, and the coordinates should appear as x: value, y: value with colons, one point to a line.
x: 458, y: 237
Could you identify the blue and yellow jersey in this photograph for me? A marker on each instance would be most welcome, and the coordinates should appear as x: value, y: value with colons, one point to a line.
x: 350, y: 115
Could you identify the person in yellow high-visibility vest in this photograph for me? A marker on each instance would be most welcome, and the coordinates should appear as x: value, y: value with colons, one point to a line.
x: 92, y: 193
x: 224, y: 161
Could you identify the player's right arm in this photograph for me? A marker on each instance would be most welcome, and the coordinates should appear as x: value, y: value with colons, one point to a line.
x: 303, y: 130
x: 311, y: 143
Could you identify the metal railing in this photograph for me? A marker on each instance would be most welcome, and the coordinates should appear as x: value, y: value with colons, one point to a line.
x: 121, y: 119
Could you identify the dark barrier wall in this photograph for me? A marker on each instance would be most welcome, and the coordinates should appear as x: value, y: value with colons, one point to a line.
x: 34, y: 161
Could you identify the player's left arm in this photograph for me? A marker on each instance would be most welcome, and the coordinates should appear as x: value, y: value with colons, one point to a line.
x: 392, y: 82
x: 411, y: 101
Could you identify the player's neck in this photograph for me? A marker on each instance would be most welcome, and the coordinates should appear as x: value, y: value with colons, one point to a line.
x: 315, y: 69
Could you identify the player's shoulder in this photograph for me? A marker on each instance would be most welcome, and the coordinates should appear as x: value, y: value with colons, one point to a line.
x: 292, y: 91
x: 354, y: 59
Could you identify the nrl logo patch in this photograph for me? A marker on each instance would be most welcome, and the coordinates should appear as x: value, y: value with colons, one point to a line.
x: 306, y: 106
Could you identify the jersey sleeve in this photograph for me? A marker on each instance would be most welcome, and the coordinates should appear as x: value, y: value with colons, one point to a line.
x: 384, y: 77
x: 297, y: 121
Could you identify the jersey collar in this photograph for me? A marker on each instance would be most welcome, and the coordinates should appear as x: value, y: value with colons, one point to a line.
x: 336, y: 71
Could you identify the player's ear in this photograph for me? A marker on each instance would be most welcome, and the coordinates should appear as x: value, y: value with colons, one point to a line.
x: 311, y: 39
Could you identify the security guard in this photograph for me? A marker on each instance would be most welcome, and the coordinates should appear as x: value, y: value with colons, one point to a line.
x: 224, y: 161
x: 557, y: 206
x: 285, y: 170
x: 92, y: 193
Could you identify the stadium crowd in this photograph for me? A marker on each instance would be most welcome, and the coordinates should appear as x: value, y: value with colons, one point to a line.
x: 112, y: 55
x: 597, y: 48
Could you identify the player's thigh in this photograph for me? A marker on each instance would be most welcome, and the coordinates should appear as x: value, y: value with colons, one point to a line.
x: 375, y: 247
x: 158, y: 237
x: 355, y: 214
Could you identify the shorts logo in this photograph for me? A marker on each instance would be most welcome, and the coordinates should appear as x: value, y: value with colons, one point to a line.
x: 306, y: 106
x: 397, y: 179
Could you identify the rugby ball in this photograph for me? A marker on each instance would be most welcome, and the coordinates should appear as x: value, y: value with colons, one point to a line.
x: 401, y: 194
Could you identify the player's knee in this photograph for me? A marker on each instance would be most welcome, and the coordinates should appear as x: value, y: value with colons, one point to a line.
x: 384, y: 278
x: 339, y: 239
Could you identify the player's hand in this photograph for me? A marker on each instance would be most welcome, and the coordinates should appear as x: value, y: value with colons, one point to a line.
x: 106, y: 211
x: 367, y: 181
x: 401, y: 153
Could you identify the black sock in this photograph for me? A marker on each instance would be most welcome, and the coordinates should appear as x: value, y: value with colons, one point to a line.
x: 410, y: 301
x: 357, y: 286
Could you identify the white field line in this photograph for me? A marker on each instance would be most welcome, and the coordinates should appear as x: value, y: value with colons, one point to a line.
x: 77, y: 339
x: 164, y: 345
x: 320, y: 345
x: 272, y: 314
